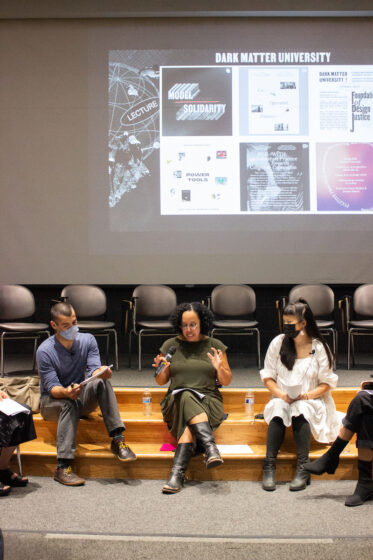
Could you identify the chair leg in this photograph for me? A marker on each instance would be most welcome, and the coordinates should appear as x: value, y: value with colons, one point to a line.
x: 129, y: 348
x: 2, y: 355
x: 335, y: 338
x: 140, y: 351
x: 34, y: 355
x: 353, y: 349
x: 116, y: 349
x: 258, y: 345
x: 107, y: 347
x: 348, y: 349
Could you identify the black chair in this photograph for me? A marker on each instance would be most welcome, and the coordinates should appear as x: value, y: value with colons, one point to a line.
x: 17, y: 302
x: 357, y: 317
x: 320, y: 298
x: 89, y: 303
x: 234, y: 307
x: 150, y: 305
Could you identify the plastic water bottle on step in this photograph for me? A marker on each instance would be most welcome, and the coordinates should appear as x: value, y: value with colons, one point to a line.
x: 147, y: 403
x: 249, y: 405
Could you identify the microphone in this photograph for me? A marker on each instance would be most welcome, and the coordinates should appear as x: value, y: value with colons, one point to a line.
x: 167, y: 358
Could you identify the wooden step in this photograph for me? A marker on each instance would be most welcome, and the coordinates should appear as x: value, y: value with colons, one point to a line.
x: 130, y: 398
x: 236, y: 429
x: 97, y: 461
x: 146, y: 434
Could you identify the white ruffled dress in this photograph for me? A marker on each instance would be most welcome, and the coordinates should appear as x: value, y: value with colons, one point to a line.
x: 321, y: 414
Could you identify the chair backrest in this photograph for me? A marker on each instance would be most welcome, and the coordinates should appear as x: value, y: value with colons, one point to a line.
x: 16, y: 302
x: 233, y: 300
x: 363, y: 300
x: 154, y: 300
x: 319, y: 297
x: 87, y: 301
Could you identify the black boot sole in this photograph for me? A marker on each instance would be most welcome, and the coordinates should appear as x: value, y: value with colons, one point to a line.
x: 362, y: 501
x: 169, y: 490
x: 269, y: 488
x: 299, y: 488
x: 214, y: 462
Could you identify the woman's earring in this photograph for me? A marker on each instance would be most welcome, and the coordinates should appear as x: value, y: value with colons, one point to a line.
x: 302, y: 333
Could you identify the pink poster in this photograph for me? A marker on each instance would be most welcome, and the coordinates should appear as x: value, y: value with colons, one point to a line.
x: 344, y: 177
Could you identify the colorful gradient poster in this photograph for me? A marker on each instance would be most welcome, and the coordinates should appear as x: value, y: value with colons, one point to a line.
x: 344, y: 177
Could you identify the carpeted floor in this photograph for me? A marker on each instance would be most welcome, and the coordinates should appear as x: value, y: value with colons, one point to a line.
x: 133, y: 519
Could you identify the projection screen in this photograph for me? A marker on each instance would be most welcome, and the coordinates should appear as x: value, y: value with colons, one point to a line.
x: 187, y: 151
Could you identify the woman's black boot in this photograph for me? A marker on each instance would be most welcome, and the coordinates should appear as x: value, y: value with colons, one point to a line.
x: 275, y: 437
x: 269, y: 475
x: 183, y: 453
x: 328, y: 462
x: 364, y: 487
x: 302, y: 437
x: 203, y: 434
x: 301, y: 479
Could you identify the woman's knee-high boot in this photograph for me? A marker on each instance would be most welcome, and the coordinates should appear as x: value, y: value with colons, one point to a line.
x: 183, y: 453
x: 364, y: 487
x: 275, y: 437
x: 302, y: 437
x: 203, y: 434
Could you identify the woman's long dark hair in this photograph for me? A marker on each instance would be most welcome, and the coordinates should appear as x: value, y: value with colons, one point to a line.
x: 301, y: 311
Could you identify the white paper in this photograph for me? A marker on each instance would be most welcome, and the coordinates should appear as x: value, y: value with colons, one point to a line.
x: 294, y: 390
x: 199, y: 395
x: 235, y: 449
x: 89, y: 379
x: 11, y: 407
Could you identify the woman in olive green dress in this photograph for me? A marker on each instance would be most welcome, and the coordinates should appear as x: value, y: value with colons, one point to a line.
x: 193, y: 405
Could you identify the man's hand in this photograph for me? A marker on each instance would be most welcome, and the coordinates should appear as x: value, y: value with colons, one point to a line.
x: 73, y: 391
x: 70, y: 392
x: 108, y: 373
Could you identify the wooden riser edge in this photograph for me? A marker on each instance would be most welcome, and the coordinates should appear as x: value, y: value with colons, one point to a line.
x: 155, y: 469
x: 230, y: 432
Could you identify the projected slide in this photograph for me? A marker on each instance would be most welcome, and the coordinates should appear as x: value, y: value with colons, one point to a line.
x: 243, y: 138
x: 274, y: 177
x: 345, y: 177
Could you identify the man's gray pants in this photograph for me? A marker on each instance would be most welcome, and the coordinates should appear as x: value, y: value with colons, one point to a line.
x: 67, y: 413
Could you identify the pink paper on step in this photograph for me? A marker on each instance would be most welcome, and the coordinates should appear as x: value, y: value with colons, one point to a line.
x: 168, y: 447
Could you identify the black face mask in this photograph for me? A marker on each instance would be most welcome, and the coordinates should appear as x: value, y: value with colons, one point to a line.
x: 290, y: 330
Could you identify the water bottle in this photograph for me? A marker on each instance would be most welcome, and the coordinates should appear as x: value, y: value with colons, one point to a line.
x: 147, y: 403
x: 249, y: 405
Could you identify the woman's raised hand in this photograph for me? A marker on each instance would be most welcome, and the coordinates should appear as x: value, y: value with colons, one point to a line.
x: 216, y: 358
x: 158, y: 360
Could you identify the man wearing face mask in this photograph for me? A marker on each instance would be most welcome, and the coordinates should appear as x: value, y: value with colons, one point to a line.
x: 64, y: 360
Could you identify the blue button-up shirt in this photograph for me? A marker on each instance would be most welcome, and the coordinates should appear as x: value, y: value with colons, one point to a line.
x: 61, y: 367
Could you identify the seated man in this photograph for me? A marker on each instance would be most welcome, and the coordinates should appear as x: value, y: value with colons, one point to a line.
x: 63, y: 361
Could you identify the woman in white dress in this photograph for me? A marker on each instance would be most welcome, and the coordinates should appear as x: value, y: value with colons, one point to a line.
x: 298, y: 373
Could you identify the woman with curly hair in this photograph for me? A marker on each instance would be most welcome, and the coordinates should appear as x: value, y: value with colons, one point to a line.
x: 193, y: 405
